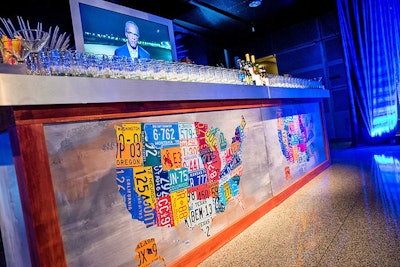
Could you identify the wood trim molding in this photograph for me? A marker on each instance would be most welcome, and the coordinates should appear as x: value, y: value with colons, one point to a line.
x: 37, y: 196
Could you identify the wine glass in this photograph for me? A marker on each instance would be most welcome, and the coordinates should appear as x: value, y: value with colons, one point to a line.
x: 13, y: 51
x: 34, y: 40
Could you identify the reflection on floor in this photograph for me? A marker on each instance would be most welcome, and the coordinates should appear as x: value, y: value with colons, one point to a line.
x: 349, y: 215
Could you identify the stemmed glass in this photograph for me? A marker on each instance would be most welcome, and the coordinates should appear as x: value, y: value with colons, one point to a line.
x: 34, y: 40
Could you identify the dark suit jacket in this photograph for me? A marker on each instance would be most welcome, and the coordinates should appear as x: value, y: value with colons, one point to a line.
x: 123, y: 51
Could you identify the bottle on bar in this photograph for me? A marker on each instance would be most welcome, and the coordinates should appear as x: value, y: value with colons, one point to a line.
x: 255, y: 74
x: 263, y: 76
x: 248, y: 68
x: 242, y: 72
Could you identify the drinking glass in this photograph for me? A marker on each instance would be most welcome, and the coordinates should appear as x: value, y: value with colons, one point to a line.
x: 170, y: 71
x: 181, y: 70
x: 146, y: 71
x: 34, y: 40
x: 194, y: 72
x: 159, y: 70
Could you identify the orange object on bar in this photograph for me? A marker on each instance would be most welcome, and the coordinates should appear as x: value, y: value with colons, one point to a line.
x: 11, y: 49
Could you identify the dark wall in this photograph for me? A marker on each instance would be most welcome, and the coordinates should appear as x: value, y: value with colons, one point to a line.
x: 313, y: 49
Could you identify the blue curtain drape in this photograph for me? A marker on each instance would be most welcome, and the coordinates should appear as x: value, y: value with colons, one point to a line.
x: 371, y: 40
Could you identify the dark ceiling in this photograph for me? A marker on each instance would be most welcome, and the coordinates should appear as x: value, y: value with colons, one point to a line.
x: 219, y: 20
x: 232, y: 19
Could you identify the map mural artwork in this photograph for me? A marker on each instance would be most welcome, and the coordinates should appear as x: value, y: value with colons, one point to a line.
x: 296, y: 137
x: 148, y: 190
x: 178, y: 172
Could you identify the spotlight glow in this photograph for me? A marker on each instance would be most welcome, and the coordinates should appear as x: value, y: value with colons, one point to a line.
x: 255, y: 3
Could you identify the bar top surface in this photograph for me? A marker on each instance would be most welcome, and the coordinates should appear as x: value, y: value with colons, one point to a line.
x: 19, y: 89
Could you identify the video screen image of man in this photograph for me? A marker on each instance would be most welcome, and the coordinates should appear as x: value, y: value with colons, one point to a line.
x: 132, y: 48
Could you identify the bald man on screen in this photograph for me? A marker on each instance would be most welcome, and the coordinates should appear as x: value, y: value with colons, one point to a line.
x: 132, y: 48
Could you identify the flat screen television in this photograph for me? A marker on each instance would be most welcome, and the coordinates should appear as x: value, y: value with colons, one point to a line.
x: 99, y: 27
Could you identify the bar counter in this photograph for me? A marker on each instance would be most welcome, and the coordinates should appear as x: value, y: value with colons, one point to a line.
x: 18, y: 90
x: 64, y: 202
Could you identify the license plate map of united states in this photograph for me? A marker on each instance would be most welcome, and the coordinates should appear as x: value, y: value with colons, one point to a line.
x: 178, y: 172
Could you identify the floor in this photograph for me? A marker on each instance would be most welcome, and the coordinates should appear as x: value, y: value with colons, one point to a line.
x: 2, y: 258
x: 349, y: 215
